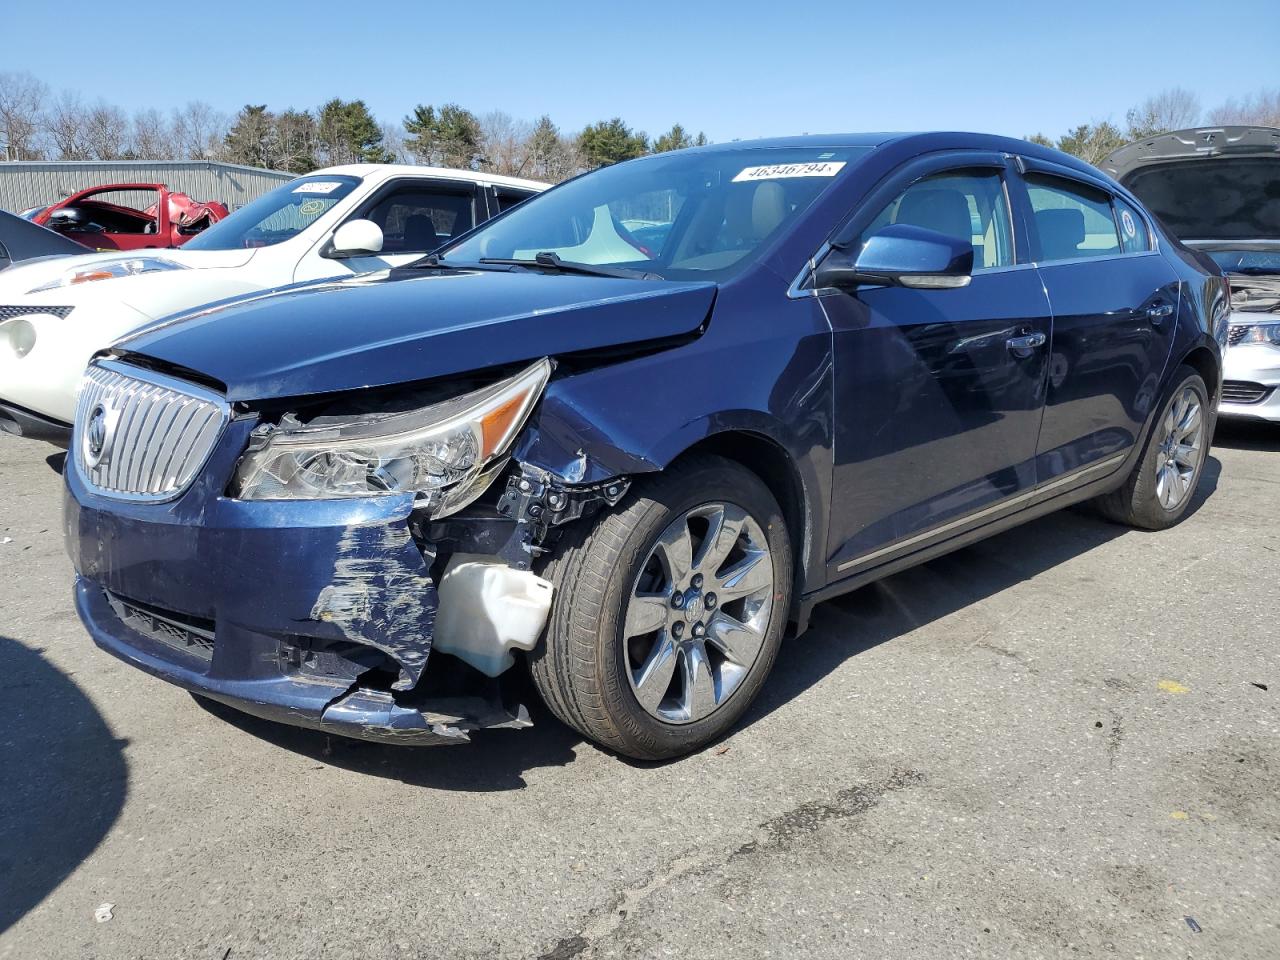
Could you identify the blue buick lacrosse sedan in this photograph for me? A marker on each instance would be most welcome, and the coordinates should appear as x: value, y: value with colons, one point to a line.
x: 623, y: 437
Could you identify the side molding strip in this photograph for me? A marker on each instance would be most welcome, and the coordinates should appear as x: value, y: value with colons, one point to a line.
x: 1067, y: 479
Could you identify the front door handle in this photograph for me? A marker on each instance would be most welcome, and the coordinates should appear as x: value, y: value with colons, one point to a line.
x: 1026, y: 344
x: 1158, y: 312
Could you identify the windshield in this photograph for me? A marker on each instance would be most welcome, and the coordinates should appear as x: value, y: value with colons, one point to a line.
x: 687, y: 215
x: 276, y: 216
x: 1248, y: 262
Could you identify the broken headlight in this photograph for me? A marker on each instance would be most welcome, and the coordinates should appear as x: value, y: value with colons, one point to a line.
x: 446, y: 453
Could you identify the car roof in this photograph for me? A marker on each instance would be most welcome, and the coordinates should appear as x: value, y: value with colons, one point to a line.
x: 907, y: 143
x: 385, y: 170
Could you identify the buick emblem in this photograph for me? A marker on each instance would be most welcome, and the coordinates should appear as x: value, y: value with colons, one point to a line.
x: 97, y: 435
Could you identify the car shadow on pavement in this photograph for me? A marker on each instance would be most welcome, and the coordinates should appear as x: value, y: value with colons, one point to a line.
x: 495, y: 760
x: 841, y: 629
x: 64, y: 778
x: 1247, y: 435
x: 846, y: 626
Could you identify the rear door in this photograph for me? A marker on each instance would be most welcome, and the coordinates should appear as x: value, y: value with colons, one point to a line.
x: 1114, y: 299
x: 938, y: 391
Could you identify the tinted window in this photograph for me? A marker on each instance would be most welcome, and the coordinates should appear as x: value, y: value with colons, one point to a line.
x: 966, y: 204
x: 509, y: 198
x: 687, y: 214
x: 1133, y: 229
x: 1072, y: 220
x: 418, y: 219
x: 276, y: 216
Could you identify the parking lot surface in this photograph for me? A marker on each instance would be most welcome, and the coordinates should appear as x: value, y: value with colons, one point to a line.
x: 1064, y: 741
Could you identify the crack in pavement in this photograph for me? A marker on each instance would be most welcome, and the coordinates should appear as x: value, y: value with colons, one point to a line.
x: 775, y: 833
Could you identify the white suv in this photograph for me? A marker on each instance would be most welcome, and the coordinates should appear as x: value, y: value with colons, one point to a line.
x: 56, y: 313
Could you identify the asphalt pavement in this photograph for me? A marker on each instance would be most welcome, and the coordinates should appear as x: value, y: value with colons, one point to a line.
x: 1062, y: 742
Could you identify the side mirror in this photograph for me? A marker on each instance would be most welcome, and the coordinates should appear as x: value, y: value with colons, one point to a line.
x: 355, y: 238
x: 68, y: 218
x: 903, y: 255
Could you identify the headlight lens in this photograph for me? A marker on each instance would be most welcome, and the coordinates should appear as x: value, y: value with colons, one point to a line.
x: 446, y: 454
x: 1260, y: 333
x: 109, y: 270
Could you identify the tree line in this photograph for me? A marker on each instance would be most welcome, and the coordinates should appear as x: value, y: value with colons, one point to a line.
x: 1171, y: 109
x: 36, y: 124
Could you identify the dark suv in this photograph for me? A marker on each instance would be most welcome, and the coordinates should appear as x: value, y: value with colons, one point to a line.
x: 625, y: 462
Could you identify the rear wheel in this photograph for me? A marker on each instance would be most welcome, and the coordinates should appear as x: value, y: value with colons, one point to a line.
x: 669, y: 613
x: 1162, y: 485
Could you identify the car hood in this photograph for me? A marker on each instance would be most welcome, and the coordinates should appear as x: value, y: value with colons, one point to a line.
x: 402, y: 326
x: 1211, y: 183
x: 23, y: 277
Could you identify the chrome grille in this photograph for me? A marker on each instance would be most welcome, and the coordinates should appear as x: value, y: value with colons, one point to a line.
x: 9, y: 312
x: 143, y: 436
x: 1242, y: 391
x: 1236, y: 333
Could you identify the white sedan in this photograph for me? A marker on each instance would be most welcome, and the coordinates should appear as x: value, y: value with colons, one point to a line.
x: 56, y: 313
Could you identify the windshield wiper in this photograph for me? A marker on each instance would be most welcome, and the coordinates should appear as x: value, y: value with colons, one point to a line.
x: 551, y: 261
x: 433, y: 262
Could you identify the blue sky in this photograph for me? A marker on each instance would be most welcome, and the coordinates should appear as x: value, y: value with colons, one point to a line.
x: 741, y: 69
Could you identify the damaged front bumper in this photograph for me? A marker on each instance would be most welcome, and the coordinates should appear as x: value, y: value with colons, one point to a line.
x: 317, y: 614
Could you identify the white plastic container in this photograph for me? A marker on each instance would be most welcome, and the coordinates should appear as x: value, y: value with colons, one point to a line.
x: 487, y: 609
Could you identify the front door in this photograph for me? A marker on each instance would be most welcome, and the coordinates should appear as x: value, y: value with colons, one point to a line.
x: 415, y: 216
x: 939, y: 392
x: 1114, y: 300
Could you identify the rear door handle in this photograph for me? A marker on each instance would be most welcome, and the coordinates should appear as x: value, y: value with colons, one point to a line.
x: 1157, y: 313
x: 1026, y: 344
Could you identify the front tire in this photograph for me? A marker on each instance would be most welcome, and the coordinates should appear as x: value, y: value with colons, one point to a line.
x: 1158, y: 492
x: 668, y: 614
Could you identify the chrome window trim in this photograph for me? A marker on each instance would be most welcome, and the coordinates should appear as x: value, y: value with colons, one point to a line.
x: 794, y: 289
x: 1005, y: 504
x: 166, y: 382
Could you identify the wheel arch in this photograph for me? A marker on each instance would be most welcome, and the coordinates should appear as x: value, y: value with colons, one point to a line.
x: 1201, y: 359
x: 769, y: 460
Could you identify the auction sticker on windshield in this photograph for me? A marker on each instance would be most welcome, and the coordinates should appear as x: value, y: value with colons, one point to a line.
x: 318, y: 186
x: 780, y: 171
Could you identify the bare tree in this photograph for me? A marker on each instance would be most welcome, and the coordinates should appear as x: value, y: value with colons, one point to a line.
x: 393, y: 143
x: 152, y: 136
x: 22, y: 99
x: 504, y: 143
x: 1170, y: 109
x: 1260, y: 108
x: 106, y: 131
x: 65, y: 127
x: 198, y: 131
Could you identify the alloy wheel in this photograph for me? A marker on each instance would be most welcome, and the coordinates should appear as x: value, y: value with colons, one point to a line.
x: 1181, y: 449
x: 698, y: 613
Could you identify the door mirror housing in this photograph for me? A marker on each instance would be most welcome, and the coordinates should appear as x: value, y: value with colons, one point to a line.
x: 68, y: 218
x: 355, y: 238
x: 900, y: 255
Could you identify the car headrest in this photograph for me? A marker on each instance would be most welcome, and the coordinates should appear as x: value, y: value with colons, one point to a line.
x: 420, y: 233
x: 755, y: 210
x: 1061, y: 232
x: 939, y: 209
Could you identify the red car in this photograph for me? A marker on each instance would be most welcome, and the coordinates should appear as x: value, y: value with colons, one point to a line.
x: 130, y: 216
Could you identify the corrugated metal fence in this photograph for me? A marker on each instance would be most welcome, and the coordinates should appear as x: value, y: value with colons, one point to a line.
x: 36, y: 183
